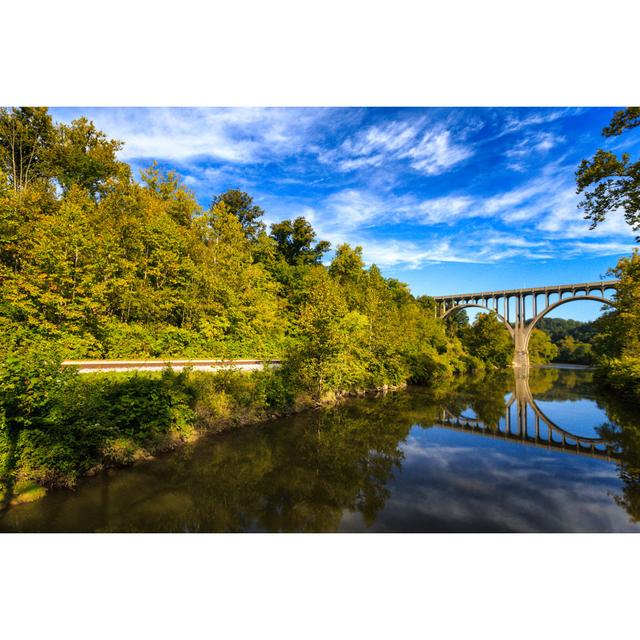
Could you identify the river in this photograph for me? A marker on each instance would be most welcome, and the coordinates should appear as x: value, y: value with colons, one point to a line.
x: 547, y: 452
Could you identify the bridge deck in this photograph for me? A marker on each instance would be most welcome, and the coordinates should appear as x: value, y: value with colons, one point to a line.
x: 531, y: 290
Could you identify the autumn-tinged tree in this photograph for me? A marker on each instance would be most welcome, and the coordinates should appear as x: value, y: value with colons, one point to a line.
x: 347, y: 265
x: 82, y: 155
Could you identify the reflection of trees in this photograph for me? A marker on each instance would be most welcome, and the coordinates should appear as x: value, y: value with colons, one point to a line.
x: 565, y: 384
x: 623, y: 432
x: 300, y: 476
x: 484, y: 394
x: 542, y: 380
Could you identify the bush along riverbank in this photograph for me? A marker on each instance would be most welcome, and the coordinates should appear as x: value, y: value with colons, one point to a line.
x: 57, y: 426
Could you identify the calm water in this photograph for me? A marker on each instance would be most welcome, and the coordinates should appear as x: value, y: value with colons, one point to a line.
x: 543, y: 453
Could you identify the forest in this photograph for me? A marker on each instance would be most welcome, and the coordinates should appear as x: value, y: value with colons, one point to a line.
x: 98, y: 263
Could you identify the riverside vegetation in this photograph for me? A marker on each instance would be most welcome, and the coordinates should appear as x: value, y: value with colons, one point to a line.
x: 94, y: 264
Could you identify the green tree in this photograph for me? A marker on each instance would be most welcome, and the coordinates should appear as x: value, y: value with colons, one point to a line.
x: 82, y: 155
x: 488, y: 340
x: 240, y: 204
x: 295, y: 242
x: 610, y: 182
x: 458, y: 322
x: 330, y: 352
x: 541, y: 349
x: 617, y: 344
x: 347, y: 265
x: 26, y: 134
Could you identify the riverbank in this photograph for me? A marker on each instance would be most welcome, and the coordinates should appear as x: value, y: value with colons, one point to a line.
x: 391, y: 463
x: 96, y: 422
x: 113, y: 420
x: 563, y: 365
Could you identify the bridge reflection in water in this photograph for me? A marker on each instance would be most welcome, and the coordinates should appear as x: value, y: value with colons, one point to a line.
x: 525, y: 423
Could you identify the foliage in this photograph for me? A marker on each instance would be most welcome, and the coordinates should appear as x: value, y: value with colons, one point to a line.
x: 541, y: 349
x: 623, y: 375
x: 488, y: 340
x: 610, y: 182
x: 617, y: 345
x: 559, y: 328
x: 94, y: 264
x: 571, y: 352
x: 295, y: 242
x: 240, y: 204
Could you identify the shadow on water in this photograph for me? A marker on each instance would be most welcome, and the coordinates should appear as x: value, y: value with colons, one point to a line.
x: 476, y: 454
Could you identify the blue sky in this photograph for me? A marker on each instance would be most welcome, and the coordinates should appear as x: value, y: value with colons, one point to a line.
x: 446, y: 199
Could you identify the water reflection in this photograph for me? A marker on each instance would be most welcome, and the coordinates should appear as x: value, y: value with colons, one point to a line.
x: 522, y: 420
x: 444, y: 459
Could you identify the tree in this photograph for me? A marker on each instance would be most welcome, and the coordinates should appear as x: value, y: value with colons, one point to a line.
x: 295, y: 242
x: 559, y: 328
x: 82, y: 155
x: 240, y: 204
x: 26, y: 134
x: 182, y: 205
x: 610, y: 182
x: 488, y: 340
x: 330, y: 352
x: 619, y: 333
x: 541, y: 349
x: 347, y: 265
x: 572, y: 352
x: 457, y: 322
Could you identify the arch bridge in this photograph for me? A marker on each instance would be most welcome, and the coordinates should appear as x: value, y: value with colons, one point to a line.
x: 530, y: 306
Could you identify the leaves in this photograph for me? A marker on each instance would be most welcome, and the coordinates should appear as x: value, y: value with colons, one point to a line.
x: 610, y: 183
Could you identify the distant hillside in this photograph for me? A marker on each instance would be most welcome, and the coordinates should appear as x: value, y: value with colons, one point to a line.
x: 572, y: 337
x: 559, y: 328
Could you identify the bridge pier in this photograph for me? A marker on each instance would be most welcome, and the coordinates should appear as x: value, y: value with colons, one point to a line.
x: 521, y: 351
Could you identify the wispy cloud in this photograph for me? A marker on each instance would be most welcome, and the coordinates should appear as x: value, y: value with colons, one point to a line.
x: 539, y: 220
x: 539, y: 142
x: 427, y: 150
x: 238, y: 136
x: 515, y: 123
x: 436, y: 152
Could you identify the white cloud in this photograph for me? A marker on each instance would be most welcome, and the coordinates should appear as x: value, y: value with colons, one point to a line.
x: 436, y: 152
x: 540, y: 142
x: 238, y: 135
x: 537, y: 219
x: 392, y: 137
x: 514, y: 124
x: 541, y: 218
x: 429, y: 151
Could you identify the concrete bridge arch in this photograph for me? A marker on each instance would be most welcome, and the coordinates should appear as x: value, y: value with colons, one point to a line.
x: 531, y: 325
